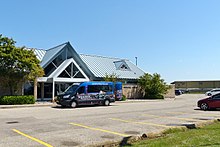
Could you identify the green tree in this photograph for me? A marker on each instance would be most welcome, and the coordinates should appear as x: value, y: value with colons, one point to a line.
x: 17, y: 64
x: 153, y: 86
x: 111, y: 77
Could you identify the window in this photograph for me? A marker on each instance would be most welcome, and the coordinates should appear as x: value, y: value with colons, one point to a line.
x: 71, y: 72
x: 121, y: 65
x: 49, y: 69
x: 81, y: 90
x: 54, y: 64
x: 98, y: 88
x: 200, y: 83
x: 217, y: 96
x: 71, y: 89
x: 124, y: 67
x: 216, y: 90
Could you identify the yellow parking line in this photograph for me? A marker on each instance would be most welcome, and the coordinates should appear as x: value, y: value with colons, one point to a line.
x: 208, y: 114
x: 187, y: 119
x: 201, y: 114
x: 98, y: 129
x: 142, y: 123
x: 32, y: 138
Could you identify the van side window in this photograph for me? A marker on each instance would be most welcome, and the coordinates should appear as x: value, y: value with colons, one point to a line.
x: 81, y: 90
x: 93, y: 88
x: 98, y: 88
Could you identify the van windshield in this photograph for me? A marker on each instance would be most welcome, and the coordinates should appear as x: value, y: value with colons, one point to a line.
x: 71, y: 89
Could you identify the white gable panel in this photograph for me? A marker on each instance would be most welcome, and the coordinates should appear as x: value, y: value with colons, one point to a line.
x: 63, y: 66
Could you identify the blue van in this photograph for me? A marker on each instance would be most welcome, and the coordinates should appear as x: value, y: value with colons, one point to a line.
x: 87, y: 93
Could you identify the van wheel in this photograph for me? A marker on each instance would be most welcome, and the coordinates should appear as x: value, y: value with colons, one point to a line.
x: 63, y: 106
x: 106, y: 102
x: 73, y: 104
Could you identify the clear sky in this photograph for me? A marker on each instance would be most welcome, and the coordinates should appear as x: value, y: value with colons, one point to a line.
x: 179, y: 39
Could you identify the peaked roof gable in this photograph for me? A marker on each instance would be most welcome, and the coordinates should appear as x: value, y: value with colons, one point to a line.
x: 121, y: 65
x: 52, y: 54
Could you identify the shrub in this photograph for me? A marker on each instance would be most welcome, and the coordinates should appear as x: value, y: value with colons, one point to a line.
x: 14, y: 100
x: 123, y: 98
x: 153, y: 86
x: 154, y: 96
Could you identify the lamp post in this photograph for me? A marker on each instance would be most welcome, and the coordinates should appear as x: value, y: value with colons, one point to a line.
x: 136, y: 60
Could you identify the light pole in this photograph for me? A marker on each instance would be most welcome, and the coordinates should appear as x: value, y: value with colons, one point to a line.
x: 136, y: 60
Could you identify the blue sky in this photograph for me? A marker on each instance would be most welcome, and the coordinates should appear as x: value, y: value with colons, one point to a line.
x: 179, y: 39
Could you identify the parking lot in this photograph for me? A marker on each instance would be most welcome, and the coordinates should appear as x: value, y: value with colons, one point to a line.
x: 96, y: 125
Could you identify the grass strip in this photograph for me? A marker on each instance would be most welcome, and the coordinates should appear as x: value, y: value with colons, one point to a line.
x: 204, y: 135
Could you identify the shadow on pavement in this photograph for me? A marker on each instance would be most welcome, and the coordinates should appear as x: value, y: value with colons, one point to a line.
x: 80, y: 107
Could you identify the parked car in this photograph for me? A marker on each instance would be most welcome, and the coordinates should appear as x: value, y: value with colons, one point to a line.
x: 212, y: 92
x: 178, y: 92
x: 210, y: 102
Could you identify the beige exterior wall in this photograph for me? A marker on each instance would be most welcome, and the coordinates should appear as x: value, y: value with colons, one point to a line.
x: 197, y: 84
x: 131, y: 91
x: 134, y: 91
x: 170, y: 92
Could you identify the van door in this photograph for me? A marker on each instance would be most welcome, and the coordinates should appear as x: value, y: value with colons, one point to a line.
x: 81, y: 97
x: 93, y: 91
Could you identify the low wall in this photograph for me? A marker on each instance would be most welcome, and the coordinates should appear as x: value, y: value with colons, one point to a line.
x: 134, y: 91
x: 170, y: 92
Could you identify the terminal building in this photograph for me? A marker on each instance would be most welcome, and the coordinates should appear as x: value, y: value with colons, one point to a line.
x: 63, y: 66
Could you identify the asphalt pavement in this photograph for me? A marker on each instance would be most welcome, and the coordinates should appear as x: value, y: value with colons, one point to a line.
x: 50, y: 125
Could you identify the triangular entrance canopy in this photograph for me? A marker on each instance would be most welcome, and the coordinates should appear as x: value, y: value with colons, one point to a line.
x: 63, y: 64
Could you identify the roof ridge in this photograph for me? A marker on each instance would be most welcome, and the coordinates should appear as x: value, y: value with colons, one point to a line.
x: 101, y: 56
x: 34, y: 48
x: 58, y: 46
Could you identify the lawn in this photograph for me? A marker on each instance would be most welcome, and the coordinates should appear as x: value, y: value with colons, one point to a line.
x: 206, y: 136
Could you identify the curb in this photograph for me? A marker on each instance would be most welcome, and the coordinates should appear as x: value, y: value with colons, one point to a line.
x: 54, y: 104
x: 26, y: 106
x: 133, y: 139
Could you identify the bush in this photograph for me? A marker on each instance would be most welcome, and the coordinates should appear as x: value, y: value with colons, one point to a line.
x: 14, y: 100
x: 153, y: 86
x: 154, y: 96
